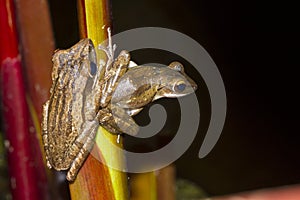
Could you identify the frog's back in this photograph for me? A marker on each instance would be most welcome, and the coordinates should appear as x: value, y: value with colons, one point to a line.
x: 135, y: 80
x: 67, y: 110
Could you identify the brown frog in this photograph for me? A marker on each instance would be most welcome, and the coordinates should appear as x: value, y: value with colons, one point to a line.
x: 86, y: 94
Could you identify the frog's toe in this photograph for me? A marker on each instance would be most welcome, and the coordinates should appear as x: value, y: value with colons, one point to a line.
x: 132, y: 130
x: 49, y: 164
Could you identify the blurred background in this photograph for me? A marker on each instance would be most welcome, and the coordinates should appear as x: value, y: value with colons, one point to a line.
x: 254, y: 44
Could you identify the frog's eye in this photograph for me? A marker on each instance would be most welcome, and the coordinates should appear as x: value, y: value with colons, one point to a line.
x: 92, y: 59
x: 93, y: 68
x: 180, y: 86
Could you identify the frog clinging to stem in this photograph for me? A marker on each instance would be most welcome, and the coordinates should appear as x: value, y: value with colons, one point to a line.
x: 86, y: 94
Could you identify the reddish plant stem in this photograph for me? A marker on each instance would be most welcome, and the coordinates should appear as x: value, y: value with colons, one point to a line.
x: 22, y: 168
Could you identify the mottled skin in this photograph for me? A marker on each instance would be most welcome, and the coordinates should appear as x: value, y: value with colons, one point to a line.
x: 85, y: 95
x: 144, y: 84
x: 71, y: 116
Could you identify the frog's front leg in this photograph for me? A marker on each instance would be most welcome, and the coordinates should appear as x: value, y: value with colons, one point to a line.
x: 109, y: 50
x: 112, y: 77
x: 117, y: 121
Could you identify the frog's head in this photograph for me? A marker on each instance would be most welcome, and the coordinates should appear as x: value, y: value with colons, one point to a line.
x: 175, y: 83
x: 81, y: 54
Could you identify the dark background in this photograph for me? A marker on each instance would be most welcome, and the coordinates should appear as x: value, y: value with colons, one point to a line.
x: 255, y: 46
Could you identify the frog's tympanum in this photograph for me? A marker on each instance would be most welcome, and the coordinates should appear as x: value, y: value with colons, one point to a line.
x: 86, y: 93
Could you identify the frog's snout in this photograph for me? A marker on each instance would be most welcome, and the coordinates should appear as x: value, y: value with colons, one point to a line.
x: 192, y: 83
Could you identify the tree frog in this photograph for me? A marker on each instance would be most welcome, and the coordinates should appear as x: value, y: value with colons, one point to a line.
x: 86, y: 93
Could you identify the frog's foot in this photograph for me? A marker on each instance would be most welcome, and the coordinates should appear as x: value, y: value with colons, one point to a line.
x: 133, y: 112
x: 116, y: 120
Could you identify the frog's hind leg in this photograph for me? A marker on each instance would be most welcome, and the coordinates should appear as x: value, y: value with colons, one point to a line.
x: 116, y: 120
x: 45, y: 133
x: 81, y: 149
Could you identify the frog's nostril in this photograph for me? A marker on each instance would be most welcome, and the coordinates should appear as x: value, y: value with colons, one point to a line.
x: 194, y: 86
